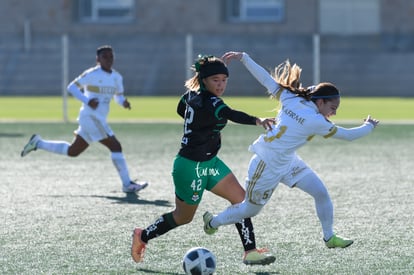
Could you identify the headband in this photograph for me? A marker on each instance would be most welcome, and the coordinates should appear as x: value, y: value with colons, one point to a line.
x: 324, y: 96
x: 206, y: 67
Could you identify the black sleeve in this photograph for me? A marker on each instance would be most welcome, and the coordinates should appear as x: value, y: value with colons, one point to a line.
x: 181, y: 107
x: 237, y: 116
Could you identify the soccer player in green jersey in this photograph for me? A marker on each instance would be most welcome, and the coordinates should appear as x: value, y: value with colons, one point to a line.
x: 197, y: 167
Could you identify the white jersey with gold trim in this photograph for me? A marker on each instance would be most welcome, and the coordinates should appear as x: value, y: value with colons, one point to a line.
x: 99, y: 84
x: 297, y: 122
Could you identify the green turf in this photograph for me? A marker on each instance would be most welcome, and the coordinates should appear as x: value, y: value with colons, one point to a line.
x: 164, y: 108
x: 68, y: 216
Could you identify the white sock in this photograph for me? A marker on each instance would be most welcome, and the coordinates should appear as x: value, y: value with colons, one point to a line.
x: 235, y: 213
x: 312, y: 185
x: 57, y: 147
x: 121, y: 166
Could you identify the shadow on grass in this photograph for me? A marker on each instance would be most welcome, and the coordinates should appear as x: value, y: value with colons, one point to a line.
x: 134, y: 199
x: 150, y: 271
x: 131, y: 198
x: 10, y: 135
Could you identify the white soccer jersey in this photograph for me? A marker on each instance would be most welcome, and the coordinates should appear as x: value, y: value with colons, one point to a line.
x: 297, y: 122
x: 99, y: 84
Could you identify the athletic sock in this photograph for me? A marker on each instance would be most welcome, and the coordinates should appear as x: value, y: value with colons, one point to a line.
x: 324, y: 211
x: 57, y: 147
x: 234, y: 213
x: 246, y: 233
x: 161, y: 226
x: 120, y: 164
x: 313, y: 185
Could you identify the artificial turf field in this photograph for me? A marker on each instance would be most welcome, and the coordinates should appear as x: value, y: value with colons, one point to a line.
x: 68, y: 216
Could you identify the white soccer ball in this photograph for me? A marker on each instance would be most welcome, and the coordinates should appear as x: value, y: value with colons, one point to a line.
x: 199, y: 261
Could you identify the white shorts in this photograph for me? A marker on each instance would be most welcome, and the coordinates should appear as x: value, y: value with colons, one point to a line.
x: 92, y: 129
x: 262, y: 179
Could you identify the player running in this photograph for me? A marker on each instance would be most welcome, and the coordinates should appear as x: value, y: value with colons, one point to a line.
x: 95, y: 88
x: 197, y: 167
x: 304, y: 113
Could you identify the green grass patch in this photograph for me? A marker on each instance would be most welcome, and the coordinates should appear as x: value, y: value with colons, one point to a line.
x: 64, y: 215
x: 164, y: 108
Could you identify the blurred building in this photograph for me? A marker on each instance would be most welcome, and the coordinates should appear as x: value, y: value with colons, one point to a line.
x: 365, y: 47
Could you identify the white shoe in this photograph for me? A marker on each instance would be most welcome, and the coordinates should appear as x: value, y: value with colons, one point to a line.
x: 31, y: 145
x: 134, y: 187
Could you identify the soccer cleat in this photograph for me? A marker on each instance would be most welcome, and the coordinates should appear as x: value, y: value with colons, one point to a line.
x: 336, y: 241
x: 31, y: 145
x: 259, y: 256
x: 134, y: 187
x: 207, y: 217
x: 138, y: 246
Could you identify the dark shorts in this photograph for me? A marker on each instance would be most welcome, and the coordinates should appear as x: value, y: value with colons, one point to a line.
x: 191, y: 178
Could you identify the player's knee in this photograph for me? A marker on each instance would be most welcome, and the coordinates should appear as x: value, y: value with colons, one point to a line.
x: 73, y: 153
x: 115, y: 145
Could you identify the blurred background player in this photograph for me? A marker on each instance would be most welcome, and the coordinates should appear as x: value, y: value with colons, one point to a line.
x: 95, y: 88
x: 197, y: 167
x: 304, y: 113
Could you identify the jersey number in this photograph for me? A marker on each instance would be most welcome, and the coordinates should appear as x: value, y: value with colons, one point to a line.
x: 267, y: 194
x: 196, y: 185
x: 282, y: 130
x: 189, y: 116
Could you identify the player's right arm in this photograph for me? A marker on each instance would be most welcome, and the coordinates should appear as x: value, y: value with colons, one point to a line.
x: 75, y: 89
x: 181, y: 107
x: 255, y: 69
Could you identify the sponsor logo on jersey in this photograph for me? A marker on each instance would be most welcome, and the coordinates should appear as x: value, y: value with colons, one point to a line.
x: 293, y: 115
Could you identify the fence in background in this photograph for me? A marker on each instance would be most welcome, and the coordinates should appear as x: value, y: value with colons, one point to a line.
x: 158, y: 65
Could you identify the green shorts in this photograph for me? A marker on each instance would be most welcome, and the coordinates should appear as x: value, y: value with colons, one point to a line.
x: 191, y: 178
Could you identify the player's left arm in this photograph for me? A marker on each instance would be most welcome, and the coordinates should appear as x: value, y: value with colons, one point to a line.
x: 122, y: 100
x: 243, y: 118
x: 119, y: 95
x: 126, y: 104
x: 351, y: 134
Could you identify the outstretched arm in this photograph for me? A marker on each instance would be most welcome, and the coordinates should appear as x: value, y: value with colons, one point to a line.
x: 371, y: 120
x: 255, y: 69
x: 244, y: 118
x: 356, y: 132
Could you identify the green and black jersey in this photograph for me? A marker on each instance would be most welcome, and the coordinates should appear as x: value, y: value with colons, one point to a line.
x: 204, y: 116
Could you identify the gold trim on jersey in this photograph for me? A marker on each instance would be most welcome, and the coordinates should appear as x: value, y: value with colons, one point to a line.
x: 79, y: 85
x: 257, y: 174
x: 93, y: 89
x: 278, y: 93
x: 282, y: 130
x: 331, y: 132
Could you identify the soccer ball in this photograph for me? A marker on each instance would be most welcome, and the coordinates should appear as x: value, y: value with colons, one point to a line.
x: 199, y: 261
